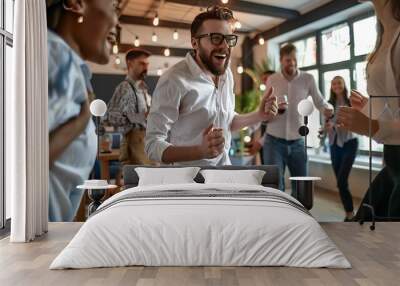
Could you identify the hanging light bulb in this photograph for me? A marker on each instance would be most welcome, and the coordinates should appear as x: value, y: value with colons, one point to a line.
x: 115, y: 49
x: 167, y: 52
x: 159, y: 72
x: 240, y: 69
x: 154, y: 38
x: 156, y: 20
x: 175, y: 35
x: 261, y: 40
x: 117, y: 61
x: 238, y: 25
x: 224, y: 1
x: 136, y: 43
x: 263, y: 87
x: 247, y: 139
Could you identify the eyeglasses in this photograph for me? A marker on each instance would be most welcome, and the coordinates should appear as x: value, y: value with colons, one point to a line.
x: 217, y: 38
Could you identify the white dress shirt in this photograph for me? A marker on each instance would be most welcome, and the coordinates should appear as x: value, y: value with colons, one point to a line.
x: 286, y: 126
x: 384, y: 80
x: 186, y: 102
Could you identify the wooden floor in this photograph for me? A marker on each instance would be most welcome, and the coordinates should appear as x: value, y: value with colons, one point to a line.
x: 375, y: 257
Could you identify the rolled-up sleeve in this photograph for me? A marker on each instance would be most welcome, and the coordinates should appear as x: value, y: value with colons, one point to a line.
x: 164, y: 112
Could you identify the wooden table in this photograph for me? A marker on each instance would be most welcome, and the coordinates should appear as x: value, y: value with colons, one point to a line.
x: 374, y: 255
x: 105, y: 159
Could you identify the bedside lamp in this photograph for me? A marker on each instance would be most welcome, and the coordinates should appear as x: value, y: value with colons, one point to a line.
x: 305, y: 108
x: 98, y: 108
x: 96, y: 188
x: 304, y: 186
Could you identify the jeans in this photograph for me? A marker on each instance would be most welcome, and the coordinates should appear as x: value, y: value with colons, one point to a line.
x: 342, y: 162
x: 284, y: 153
x: 385, y: 188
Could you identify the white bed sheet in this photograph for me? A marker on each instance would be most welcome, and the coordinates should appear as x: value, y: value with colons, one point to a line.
x: 200, y: 232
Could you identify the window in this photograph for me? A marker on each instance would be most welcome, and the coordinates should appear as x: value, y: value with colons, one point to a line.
x: 9, y: 15
x: 6, y: 44
x: 315, y: 74
x: 306, y: 52
x: 344, y: 48
x: 365, y: 36
x: 361, y: 77
x: 336, y: 44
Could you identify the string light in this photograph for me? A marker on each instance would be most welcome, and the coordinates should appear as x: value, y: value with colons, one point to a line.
x: 154, y: 38
x: 115, y: 49
x: 261, y: 41
x: 156, y: 20
x: 240, y: 69
x: 175, y: 35
x: 117, y: 60
x: 136, y: 43
x: 167, y: 52
x: 159, y: 72
x: 238, y: 25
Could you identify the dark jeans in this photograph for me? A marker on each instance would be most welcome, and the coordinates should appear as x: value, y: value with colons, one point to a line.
x: 385, y: 188
x: 342, y: 162
x: 284, y: 153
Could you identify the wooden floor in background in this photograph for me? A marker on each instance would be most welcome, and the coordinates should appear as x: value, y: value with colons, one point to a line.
x: 375, y: 258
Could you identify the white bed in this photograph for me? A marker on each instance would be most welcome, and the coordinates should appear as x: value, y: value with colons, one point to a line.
x: 225, y: 225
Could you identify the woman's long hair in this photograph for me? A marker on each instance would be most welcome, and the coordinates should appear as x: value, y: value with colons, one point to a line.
x: 395, y: 6
x: 333, y: 97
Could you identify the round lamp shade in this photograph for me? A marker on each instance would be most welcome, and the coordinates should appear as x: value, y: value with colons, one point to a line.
x: 98, y: 107
x: 305, y: 107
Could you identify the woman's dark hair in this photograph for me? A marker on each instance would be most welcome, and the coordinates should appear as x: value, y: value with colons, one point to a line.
x: 396, y: 9
x: 54, y: 12
x: 212, y: 13
x: 333, y: 98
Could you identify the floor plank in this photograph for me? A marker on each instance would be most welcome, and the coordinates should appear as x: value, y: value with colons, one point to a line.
x: 375, y: 257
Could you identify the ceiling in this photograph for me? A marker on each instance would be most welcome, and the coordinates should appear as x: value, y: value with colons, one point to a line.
x: 175, y: 14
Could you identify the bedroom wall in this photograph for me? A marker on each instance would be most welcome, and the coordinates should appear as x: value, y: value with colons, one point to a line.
x: 105, y: 84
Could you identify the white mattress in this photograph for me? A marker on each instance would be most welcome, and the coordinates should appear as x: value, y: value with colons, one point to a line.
x: 205, y: 231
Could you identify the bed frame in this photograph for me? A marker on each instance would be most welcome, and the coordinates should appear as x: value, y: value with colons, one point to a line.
x: 270, y: 179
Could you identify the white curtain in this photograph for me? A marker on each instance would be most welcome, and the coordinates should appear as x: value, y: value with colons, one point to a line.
x: 26, y: 124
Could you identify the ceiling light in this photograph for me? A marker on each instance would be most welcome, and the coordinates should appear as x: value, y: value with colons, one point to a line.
x: 154, y: 38
x: 156, y: 20
x: 224, y: 1
x: 247, y: 139
x: 261, y: 41
x: 167, y: 52
x: 115, y: 49
x: 175, y: 35
x: 136, y: 43
x: 117, y: 61
x: 240, y: 69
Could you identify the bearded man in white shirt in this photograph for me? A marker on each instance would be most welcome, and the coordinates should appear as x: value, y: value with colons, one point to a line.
x: 283, y: 145
x: 192, y: 113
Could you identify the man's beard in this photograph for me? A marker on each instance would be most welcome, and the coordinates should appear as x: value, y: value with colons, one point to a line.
x: 290, y: 71
x: 208, y: 61
x: 142, y: 75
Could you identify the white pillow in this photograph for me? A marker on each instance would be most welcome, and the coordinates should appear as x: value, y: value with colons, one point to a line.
x: 165, y: 176
x: 248, y: 177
